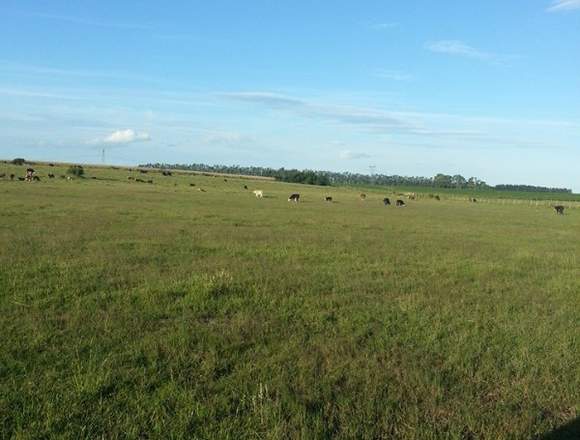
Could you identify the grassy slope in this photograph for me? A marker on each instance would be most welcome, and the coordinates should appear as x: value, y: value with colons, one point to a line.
x: 130, y: 308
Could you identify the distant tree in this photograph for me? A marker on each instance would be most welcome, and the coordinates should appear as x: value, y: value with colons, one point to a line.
x: 443, y: 181
x: 76, y: 170
x: 459, y: 181
x: 18, y: 161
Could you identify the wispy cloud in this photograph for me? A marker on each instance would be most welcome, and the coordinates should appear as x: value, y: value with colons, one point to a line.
x: 564, y: 5
x: 392, y: 75
x: 353, y: 155
x: 226, y: 139
x: 91, y: 22
x: 459, y: 48
x: 81, y: 73
x: 369, y: 119
x: 385, y: 26
x: 34, y: 94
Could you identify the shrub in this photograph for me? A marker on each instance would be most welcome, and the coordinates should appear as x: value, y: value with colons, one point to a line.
x: 76, y: 170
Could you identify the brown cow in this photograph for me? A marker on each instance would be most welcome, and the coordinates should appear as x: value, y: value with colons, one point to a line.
x: 559, y: 209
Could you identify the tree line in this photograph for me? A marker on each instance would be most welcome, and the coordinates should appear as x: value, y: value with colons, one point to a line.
x: 327, y: 178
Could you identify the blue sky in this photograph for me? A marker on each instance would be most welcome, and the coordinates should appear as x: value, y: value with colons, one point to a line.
x: 488, y: 89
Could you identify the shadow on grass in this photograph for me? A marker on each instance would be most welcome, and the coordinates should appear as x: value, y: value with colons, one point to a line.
x: 570, y: 431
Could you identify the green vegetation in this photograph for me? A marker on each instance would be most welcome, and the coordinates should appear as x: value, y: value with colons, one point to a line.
x: 324, y: 178
x: 76, y: 170
x: 135, y: 310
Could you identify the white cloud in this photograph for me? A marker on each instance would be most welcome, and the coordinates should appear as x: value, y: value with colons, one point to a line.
x: 353, y: 155
x: 458, y: 48
x: 127, y: 136
x: 564, y: 5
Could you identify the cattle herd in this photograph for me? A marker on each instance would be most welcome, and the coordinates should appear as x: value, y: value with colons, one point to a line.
x: 31, y: 176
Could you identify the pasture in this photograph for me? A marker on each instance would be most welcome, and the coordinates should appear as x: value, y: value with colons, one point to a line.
x: 133, y: 310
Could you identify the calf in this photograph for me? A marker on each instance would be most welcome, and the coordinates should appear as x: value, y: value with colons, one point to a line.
x: 559, y: 209
x: 258, y: 193
x: 386, y: 201
x: 401, y: 203
x: 294, y: 198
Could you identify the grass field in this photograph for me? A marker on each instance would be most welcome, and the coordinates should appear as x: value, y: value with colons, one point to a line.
x: 134, y: 310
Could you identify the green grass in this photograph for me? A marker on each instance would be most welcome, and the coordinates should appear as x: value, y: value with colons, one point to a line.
x: 133, y: 310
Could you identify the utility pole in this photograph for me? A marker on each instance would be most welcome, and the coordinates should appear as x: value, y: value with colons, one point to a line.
x: 103, y: 156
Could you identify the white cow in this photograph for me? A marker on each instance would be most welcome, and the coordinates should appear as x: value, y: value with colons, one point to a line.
x: 259, y: 193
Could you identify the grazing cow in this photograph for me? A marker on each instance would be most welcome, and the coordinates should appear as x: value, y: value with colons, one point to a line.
x: 201, y: 190
x: 68, y: 178
x: 245, y: 186
x: 51, y: 176
x: 474, y: 200
x: 225, y: 180
x: 22, y: 179
x: 150, y: 181
x: 400, y: 203
x: 50, y: 164
x: 12, y: 176
x: 437, y: 198
x: 143, y: 171
x: 36, y: 178
x: 363, y: 196
x: 328, y: 199
x: 166, y: 173
x: 29, y: 174
x: 192, y: 184
x: 130, y: 178
x: 387, y: 201
x: 259, y: 193
x: 139, y: 180
x: 559, y: 209
x: 294, y: 198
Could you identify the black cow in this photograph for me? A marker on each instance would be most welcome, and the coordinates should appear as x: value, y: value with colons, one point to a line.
x: 401, y: 203
x: 150, y: 181
x: 437, y: 198
x: 51, y: 176
x: 12, y: 176
x: 245, y: 186
x: 328, y: 199
x: 294, y: 198
x: 143, y: 171
x: 387, y: 201
x: 166, y: 173
x: 474, y: 200
x: 130, y: 178
x: 192, y: 184
x: 559, y: 209
x: 22, y: 179
x: 36, y: 178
